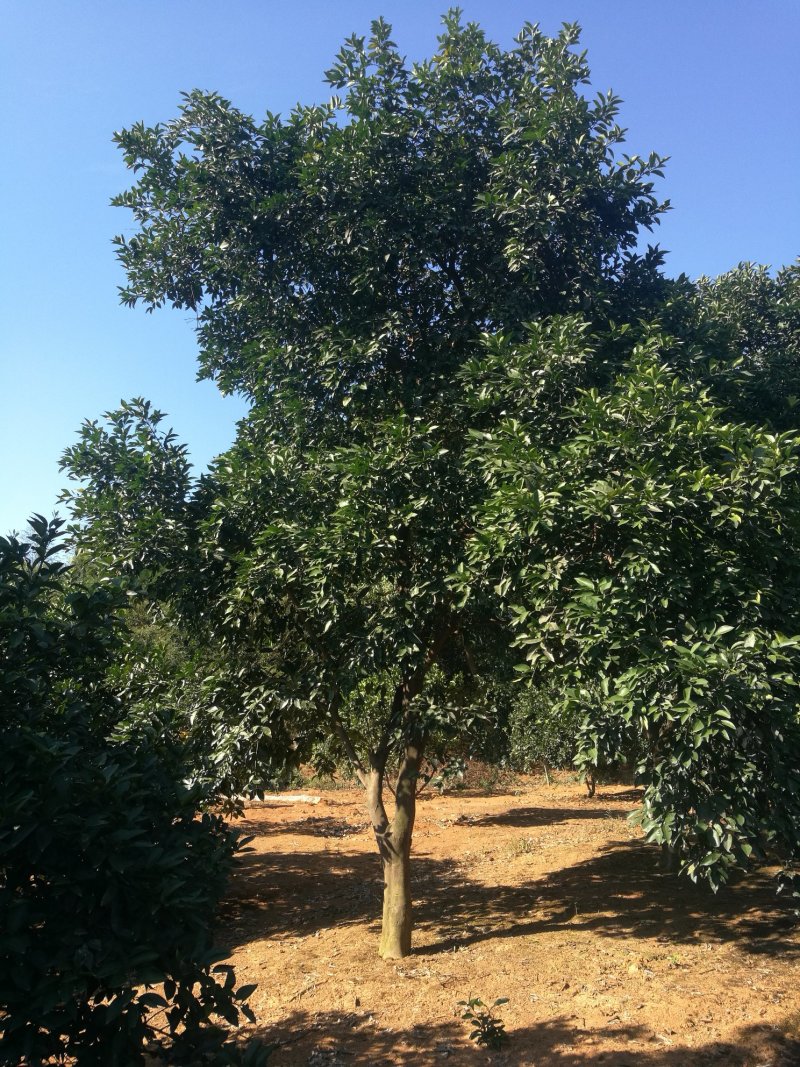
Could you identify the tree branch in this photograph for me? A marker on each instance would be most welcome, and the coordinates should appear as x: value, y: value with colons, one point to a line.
x: 411, y: 687
x: 347, y: 743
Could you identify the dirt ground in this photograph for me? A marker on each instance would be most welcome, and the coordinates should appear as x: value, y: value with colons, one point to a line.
x: 538, y: 894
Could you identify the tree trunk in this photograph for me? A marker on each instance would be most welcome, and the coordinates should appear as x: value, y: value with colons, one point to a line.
x: 394, y: 846
x: 397, y: 922
x: 394, y: 839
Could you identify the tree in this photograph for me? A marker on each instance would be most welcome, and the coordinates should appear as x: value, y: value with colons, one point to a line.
x: 430, y: 292
x: 91, y: 825
x: 344, y: 264
x: 189, y: 670
x: 751, y: 325
x: 649, y: 552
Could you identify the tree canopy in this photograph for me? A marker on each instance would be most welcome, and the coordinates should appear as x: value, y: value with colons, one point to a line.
x: 352, y: 252
x: 485, y: 432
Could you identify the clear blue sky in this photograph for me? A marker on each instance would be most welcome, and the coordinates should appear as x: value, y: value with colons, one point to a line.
x: 713, y: 84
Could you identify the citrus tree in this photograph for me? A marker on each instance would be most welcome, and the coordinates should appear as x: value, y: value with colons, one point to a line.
x: 430, y: 291
x: 109, y: 874
x: 648, y: 554
x: 344, y: 263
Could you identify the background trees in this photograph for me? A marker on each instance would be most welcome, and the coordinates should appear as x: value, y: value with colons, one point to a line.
x: 752, y: 324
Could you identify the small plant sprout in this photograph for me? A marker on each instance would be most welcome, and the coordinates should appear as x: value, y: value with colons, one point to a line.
x: 522, y: 846
x: 487, y: 1029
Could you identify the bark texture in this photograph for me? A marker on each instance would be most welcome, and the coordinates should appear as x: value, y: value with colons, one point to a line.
x: 394, y: 838
x: 394, y: 845
x: 397, y: 922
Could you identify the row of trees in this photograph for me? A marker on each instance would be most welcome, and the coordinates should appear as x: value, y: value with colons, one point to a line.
x: 490, y: 448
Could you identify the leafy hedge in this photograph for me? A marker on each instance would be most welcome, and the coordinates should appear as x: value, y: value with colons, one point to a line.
x: 109, y: 878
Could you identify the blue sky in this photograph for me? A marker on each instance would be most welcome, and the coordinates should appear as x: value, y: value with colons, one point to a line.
x: 713, y: 84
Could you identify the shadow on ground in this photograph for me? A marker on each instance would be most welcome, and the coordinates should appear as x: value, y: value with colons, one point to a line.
x: 621, y: 891
x: 530, y: 818
x: 308, y: 826
x: 331, y: 826
x: 335, y: 1040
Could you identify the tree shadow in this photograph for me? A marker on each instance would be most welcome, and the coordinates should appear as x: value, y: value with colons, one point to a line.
x: 633, y: 795
x: 299, y: 893
x: 524, y: 816
x: 473, y: 792
x: 307, y: 825
x: 334, y: 1039
x: 619, y: 892
x: 531, y: 817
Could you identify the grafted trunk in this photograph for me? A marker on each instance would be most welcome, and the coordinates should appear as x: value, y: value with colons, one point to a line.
x: 397, y: 918
x: 394, y: 845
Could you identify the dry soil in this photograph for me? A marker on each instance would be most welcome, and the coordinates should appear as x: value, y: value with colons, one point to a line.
x: 538, y: 894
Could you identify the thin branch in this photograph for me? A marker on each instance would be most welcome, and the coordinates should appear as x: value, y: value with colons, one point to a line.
x: 344, y: 737
x: 428, y: 778
x: 414, y: 685
x: 470, y: 660
x: 392, y: 723
x: 409, y: 688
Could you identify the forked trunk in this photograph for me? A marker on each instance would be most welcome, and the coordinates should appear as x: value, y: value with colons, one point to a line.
x: 394, y: 845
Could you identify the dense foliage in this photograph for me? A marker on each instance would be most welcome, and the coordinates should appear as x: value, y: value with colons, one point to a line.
x: 749, y: 319
x: 648, y: 551
x: 109, y: 878
x: 541, y: 735
x: 485, y: 433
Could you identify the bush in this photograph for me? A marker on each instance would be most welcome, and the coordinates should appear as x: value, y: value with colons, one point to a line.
x: 605, y: 743
x: 109, y: 878
x: 540, y: 734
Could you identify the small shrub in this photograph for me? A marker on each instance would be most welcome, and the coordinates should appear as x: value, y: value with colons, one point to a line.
x: 487, y: 1029
x: 522, y: 846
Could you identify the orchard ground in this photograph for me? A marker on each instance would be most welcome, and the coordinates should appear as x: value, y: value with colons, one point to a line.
x: 532, y: 892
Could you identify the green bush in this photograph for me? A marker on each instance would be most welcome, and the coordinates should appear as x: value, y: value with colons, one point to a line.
x: 109, y: 877
x: 539, y: 733
x: 605, y: 742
